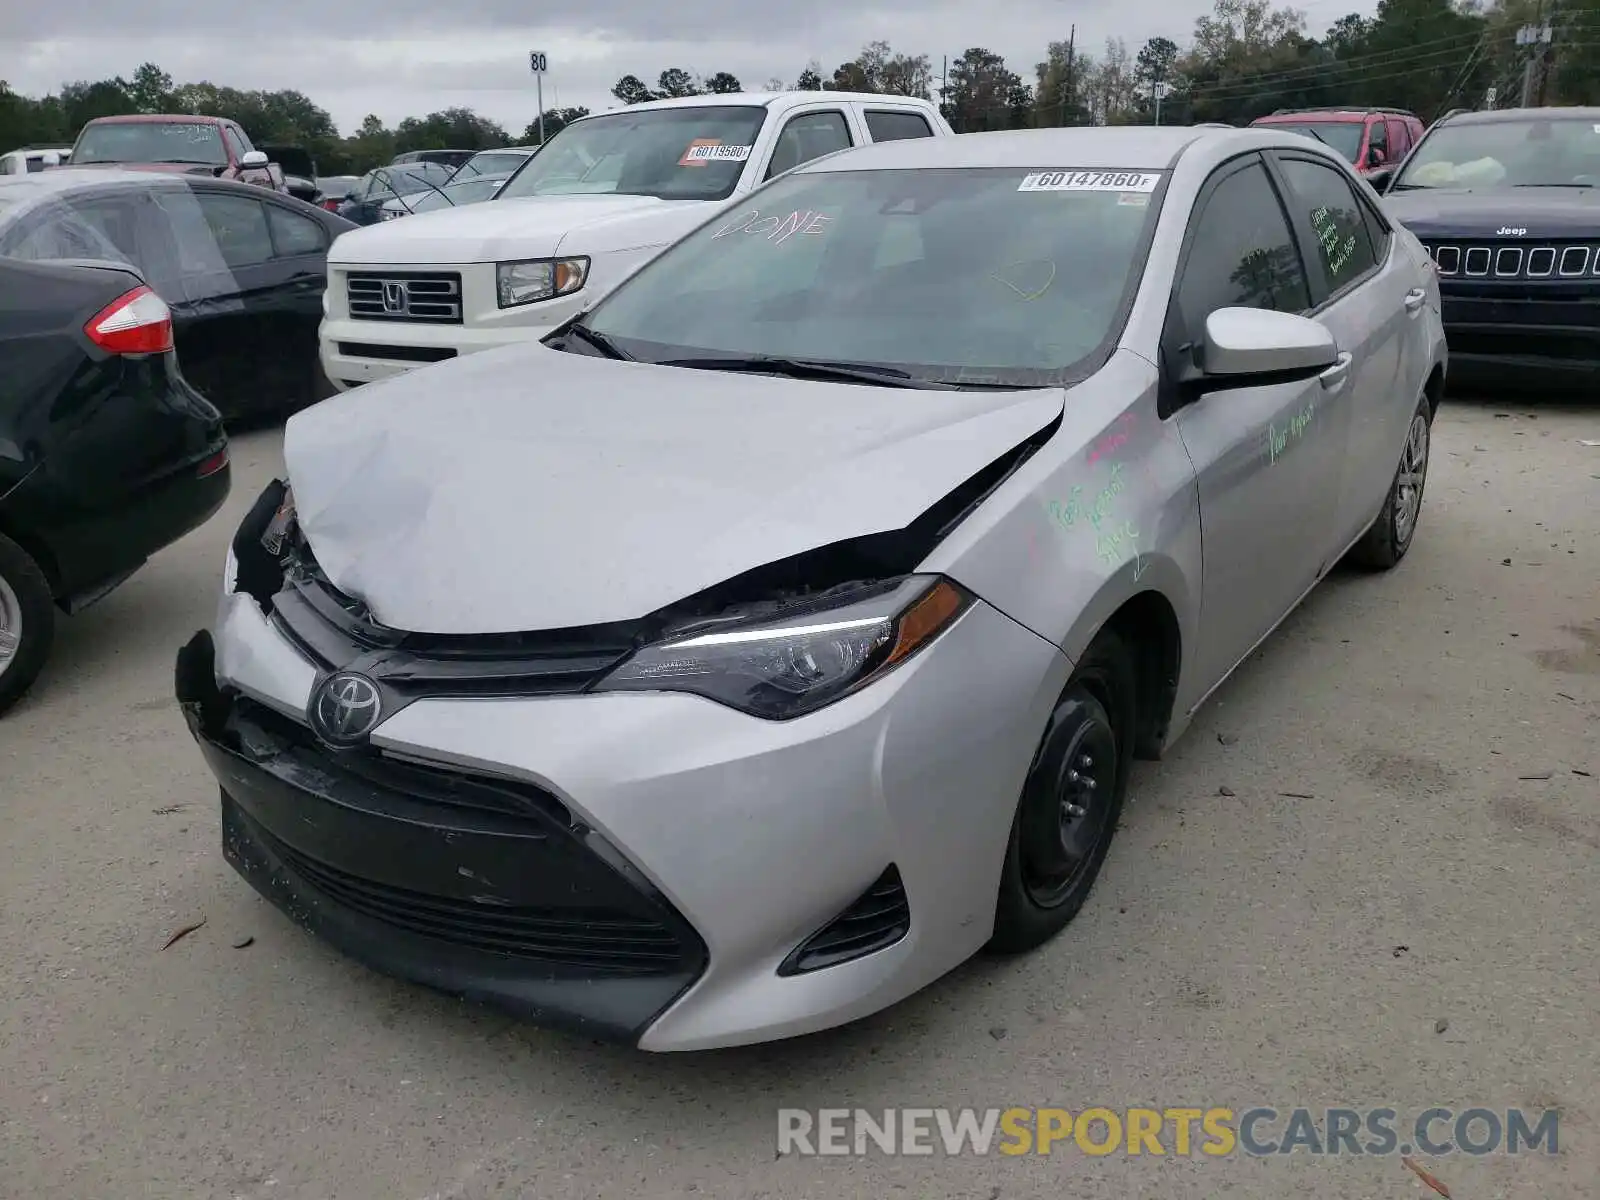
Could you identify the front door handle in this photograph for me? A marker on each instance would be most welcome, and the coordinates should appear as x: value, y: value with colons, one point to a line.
x: 1415, y: 299
x: 1334, y: 377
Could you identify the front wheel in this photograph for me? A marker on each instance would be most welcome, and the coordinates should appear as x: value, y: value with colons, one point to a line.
x: 27, y: 622
x: 1388, y: 539
x: 1071, y: 801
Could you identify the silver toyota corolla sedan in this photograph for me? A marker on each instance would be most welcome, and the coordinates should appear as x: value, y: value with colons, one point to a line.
x: 688, y: 680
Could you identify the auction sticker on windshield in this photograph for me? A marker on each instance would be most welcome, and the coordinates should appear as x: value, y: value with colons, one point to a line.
x: 1089, y: 181
x: 708, y: 150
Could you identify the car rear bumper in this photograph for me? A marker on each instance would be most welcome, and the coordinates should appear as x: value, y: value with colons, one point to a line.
x: 482, y: 833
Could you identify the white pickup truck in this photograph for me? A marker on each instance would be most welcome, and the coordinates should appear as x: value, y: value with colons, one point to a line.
x: 605, y: 195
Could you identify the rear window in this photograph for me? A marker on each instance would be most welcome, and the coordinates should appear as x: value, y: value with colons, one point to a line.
x: 695, y: 153
x: 151, y: 142
x: 897, y: 126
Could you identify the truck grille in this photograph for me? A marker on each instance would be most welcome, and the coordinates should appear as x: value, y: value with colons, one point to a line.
x: 1500, y: 260
x: 427, y: 298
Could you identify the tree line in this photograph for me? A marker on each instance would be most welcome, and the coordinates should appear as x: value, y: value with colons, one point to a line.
x: 1243, y: 59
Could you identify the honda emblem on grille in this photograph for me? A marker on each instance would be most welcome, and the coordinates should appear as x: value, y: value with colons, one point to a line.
x: 396, y: 298
x: 345, y: 708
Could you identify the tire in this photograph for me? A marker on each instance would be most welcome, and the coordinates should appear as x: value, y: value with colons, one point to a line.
x: 1385, y: 543
x: 27, y: 622
x: 1071, y: 801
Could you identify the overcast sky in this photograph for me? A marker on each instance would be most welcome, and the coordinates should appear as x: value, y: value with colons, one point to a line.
x: 408, y: 57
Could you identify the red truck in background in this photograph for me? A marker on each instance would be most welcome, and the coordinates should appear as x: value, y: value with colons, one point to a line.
x: 1370, y: 138
x: 192, y: 144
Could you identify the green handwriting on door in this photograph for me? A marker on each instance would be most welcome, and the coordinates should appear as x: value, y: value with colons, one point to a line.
x: 1279, y: 436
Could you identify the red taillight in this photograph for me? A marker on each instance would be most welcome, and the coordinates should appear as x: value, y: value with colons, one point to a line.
x: 213, y: 464
x: 138, y: 322
x: 331, y: 205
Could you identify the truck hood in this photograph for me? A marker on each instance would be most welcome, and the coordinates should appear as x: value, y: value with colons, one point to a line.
x: 534, y: 227
x: 525, y: 489
x: 1545, y: 212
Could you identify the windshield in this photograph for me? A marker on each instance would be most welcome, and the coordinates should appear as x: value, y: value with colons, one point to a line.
x: 411, y: 179
x: 490, y: 164
x: 986, y: 277
x: 1343, y: 136
x: 474, y: 191
x: 690, y: 153
x: 151, y: 142
x: 1531, y: 152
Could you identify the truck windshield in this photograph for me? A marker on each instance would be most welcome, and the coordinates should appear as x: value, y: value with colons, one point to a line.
x: 151, y: 142
x: 691, y: 153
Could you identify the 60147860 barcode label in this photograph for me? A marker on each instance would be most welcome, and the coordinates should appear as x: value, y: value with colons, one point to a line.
x: 1090, y: 181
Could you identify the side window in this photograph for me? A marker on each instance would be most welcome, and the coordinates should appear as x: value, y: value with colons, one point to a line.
x: 1378, y: 137
x: 242, y: 138
x: 1242, y: 254
x: 897, y: 126
x: 235, y: 146
x: 293, y: 234
x: 239, y: 226
x: 1323, y: 197
x: 1399, y: 140
x: 5, y: 166
x: 808, y: 136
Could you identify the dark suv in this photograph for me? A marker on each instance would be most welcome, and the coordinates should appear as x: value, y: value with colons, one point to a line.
x: 1508, y: 205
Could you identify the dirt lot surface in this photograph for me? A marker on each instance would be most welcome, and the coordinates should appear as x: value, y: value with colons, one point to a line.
x: 1369, y: 876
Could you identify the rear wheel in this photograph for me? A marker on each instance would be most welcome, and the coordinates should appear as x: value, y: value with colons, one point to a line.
x: 1071, y: 801
x: 27, y: 621
x: 1386, y: 542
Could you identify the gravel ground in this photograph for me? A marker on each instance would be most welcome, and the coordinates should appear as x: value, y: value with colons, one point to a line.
x: 1415, y: 926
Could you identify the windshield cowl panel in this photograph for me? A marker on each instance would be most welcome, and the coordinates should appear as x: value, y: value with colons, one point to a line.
x: 975, y: 278
x: 1532, y: 152
x: 693, y: 153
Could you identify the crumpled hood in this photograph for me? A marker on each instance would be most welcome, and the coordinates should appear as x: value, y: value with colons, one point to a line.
x: 1481, y: 212
x: 524, y: 489
x: 500, y: 230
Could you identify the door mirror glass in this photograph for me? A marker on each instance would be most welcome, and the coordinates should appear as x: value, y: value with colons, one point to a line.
x: 1243, y: 342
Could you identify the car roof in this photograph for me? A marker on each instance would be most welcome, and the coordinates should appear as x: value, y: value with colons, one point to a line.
x: 60, y: 180
x: 1500, y: 116
x: 1331, y: 114
x: 1105, y: 147
x: 153, y: 118
x: 759, y: 100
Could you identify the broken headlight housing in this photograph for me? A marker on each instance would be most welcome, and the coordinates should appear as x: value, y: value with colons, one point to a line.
x: 785, y: 667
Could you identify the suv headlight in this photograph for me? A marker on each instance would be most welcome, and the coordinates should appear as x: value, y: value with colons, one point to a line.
x: 533, y: 279
x: 782, y: 669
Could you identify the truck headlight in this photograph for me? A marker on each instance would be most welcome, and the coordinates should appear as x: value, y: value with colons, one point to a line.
x: 534, y: 279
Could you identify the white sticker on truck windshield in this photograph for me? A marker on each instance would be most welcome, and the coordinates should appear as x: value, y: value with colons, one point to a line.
x: 1089, y: 181
x: 709, y: 150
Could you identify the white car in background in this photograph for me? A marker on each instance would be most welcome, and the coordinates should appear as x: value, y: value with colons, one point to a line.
x: 32, y: 159
x: 603, y: 197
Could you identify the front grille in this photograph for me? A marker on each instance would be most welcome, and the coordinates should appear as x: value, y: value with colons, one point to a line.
x: 876, y: 921
x: 416, y: 354
x: 417, y: 297
x: 1491, y: 259
x: 596, y: 940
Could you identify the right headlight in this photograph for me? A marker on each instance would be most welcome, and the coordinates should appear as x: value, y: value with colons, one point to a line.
x: 786, y: 668
x: 534, y: 279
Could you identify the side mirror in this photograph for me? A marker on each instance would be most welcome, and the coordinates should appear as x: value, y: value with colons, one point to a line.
x: 253, y: 161
x: 1245, y: 342
x: 1375, y: 157
x: 1380, y: 180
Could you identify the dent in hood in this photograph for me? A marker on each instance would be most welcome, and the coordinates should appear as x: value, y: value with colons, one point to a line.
x: 1480, y: 212
x: 502, y: 229
x: 526, y: 489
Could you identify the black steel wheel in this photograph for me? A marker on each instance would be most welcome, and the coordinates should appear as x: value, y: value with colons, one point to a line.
x: 1071, y: 801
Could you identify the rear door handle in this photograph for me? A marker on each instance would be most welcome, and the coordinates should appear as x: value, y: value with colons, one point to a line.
x: 1333, y: 378
x: 1415, y: 299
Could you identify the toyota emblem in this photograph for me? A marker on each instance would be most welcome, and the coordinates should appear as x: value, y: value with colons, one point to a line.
x: 344, y: 709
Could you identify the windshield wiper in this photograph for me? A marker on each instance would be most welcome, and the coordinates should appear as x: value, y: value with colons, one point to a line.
x: 1578, y: 185
x: 598, y: 340
x: 805, y: 368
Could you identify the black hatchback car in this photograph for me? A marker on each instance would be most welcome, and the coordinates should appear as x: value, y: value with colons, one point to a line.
x: 106, y: 453
x: 242, y: 268
x: 1508, y: 205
